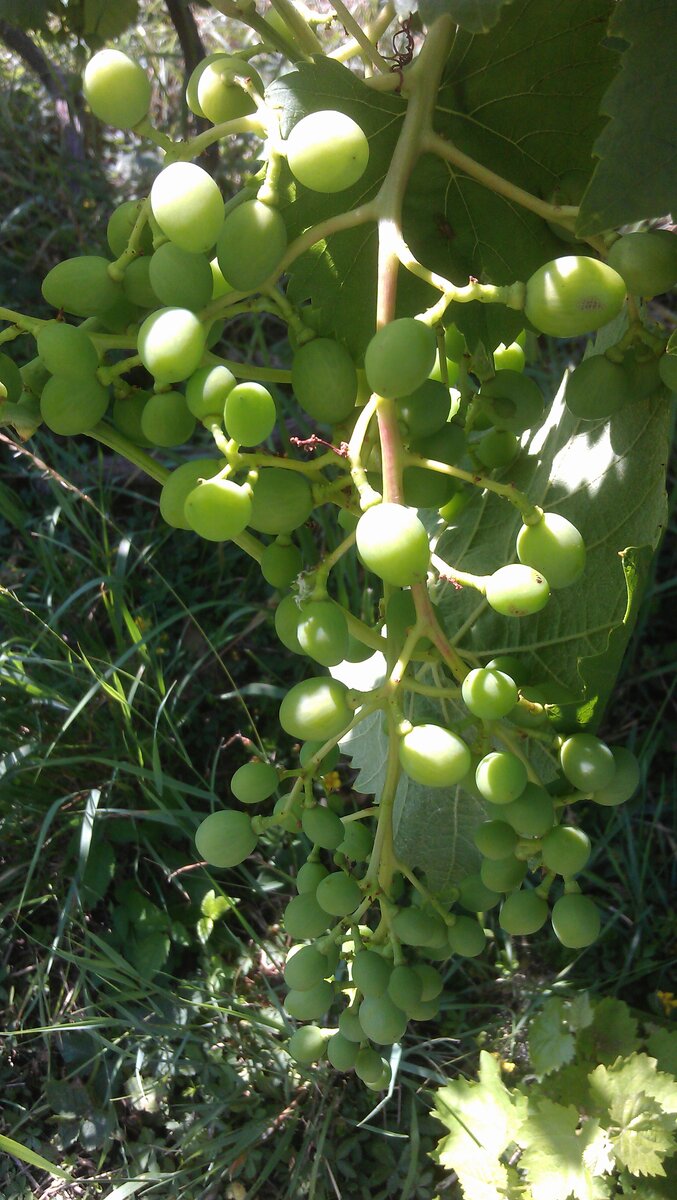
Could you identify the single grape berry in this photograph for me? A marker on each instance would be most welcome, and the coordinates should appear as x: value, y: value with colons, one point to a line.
x: 434, y: 756
x: 400, y: 357
x: 495, y: 839
x: 322, y: 631
x: 281, y: 562
x: 371, y: 973
x: 338, y: 894
x: 307, y: 1045
x: 466, y: 937
x: 517, y: 590
x: 324, y: 380
x: 382, y: 1021
x: 218, y: 509
x: 225, y: 839
x: 532, y: 814
x: 65, y: 350
x: 218, y: 95
x: 565, y: 850
x: 511, y: 401
x: 576, y: 921
x: 305, y: 968
x: 475, y: 896
x: 188, y: 206
x: 303, y: 918
x: 598, y: 388
x: 171, y: 342
x: 488, y: 693
x: 502, y: 874
x: 309, y: 876
x: 625, y: 780
x: 116, y: 89
x: 327, y: 151
x: 554, y: 547
x: 573, y: 295
x: 249, y: 414
x: 166, y: 419
x: 647, y: 261
x: 254, y: 782
x: 181, y: 482
x: 81, y: 286
x: 251, y: 243
x: 281, y: 501
x: 522, y: 913
x: 342, y: 1053
x: 316, y: 708
x: 393, y: 543
x: 587, y: 762
x: 70, y: 406
x: 501, y: 776
x: 310, y: 1003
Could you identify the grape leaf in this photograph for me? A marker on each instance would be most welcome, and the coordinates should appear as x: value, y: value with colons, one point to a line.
x: 102, y: 21
x: 613, y: 1032
x: 29, y: 14
x: 551, y: 1045
x: 662, y: 1045
x: 636, y: 175
x: 630, y: 1077
x: 609, y: 480
x: 641, y: 1134
x: 555, y: 1155
x: 477, y: 16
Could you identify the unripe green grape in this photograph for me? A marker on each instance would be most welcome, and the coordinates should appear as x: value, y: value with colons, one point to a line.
x: 136, y: 284
x: 117, y: 90
x: 489, y: 694
x: 510, y: 665
x: 280, y: 564
x: 647, y: 261
x: 357, y: 651
x: 587, y: 762
x: 327, y: 151
x: 368, y: 1065
x: 501, y: 776
x: 341, y: 1053
x: 534, y: 717
x: 497, y: 448
x: 466, y: 937
x: 181, y: 482
x: 434, y: 756
x: 511, y: 401
x: 309, y: 876
x: 667, y: 370
x: 597, y: 388
x: 495, y: 839
x: 517, y: 591
x: 348, y: 520
x: 358, y: 841
x: 393, y: 543
x: 426, y: 488
x: 553, y: 547
x: 286, y: 621
x: 349, y: 1025
x: 225, y: 838
x: 522, y: 913
x: 330, y: 952
x: 81, y: 286
x: 382, y: 1021
x: 573, y: 295
x: 250, y: 414
x: 316, y: 708
x: 307, y: 1045
x: 452, y: 373
x: 405, y: 988
x: 509, y: 358
x: 219, y: 98
x: 625, y: 780
x: 417, y: 928
x: 431, y: 981
x: 281, y: 501
x: 120, y: 225
x: 217, y: 509
x: 565, y: 850
x: 425, y: 1010
x: 371, y: 973
x: 288, y: 816
x: 401, y: 618
x: 310, y: 1003
x: 179, y: 278
x: 207, y: 389
x: 303, y: 918
x: 194, y: 79
x: 166, y: 420
x: 502, y: 874
x: 400, y: 357
x: 254, y: 782
x: 11, y: 378
x: 250, y: 245
x: 171, y: 342
x: 576, y: 921
x: 424, y: 411
x: 454, y: 343
x: 188, y: 206
x: 323, y: 632
x: 324, y: 380
x: 338, y: 894
x: 450, y: 511
x: 126, y: 416
x: 322, y: 827
x: 305, y: 968
x: 447, y: 445
x: 70, y: 406
x: 121, y: 317
x: 328, y: 763
x: 532, y: 814
x: 65, y: 350
x: 475, y: 896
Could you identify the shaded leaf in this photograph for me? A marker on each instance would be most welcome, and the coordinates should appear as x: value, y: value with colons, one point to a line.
x: 551, y: 1045
x: 612, y: 1034
x: 477, y: 16
x: 662, y: 1045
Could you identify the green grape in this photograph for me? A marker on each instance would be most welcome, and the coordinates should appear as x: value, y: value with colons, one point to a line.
x: 667, y: 370
x: 181, y: 482
x: 117, y: 90
x: 254, y: 782
x: 188, y: 206
x: 554, y: 547
x: 475, y: 896
x: 368, y: 1065
x: 207, y: 389
x: 434, y: 756
x: 327, y: 151
x: 322, y: 827
x: 565, y: 850
x: 120, y: 225
x: 349, y: 1025
x: 426, y: 410
x: 424, y: 488
x: 576, y: 921
x: 309, y: 876
x: 338, y: 894
x: 647, y: 262
x: 417, y: 928
x: 286, y: 620
x: 357, y: 651
x: 573, y: 295
x: 288, y: 817
x: 495, y: 839
x: 81, y: 286
x: 510, y: 665
x: 348, y: 520
x: 371, y: 973
x: 597, y: 388
x: 11, y: 378
x: 488, y: 693
x: 382, y: 1021
x: 497, y: 448
x: 324, y: 380
x: 126, y: 416
x: 447, y: 445
x: 452, y: 373
x: 532, y: 814
x: 509, y: 358
x: 425, y: 1010
x: 357, y: 843
x: 303, y: 918
x: 220, y: 285
x: 502, y: 874
x: 431, y: 981
x: 219, y: 97
x: 323, y: 632
x: 405, y: 988
x: 281, y: 562
x: 450, y: 511
x: 454, y: 343
x: 249, y: 414
x: 316, y: 708
x: 307, y: 1045
x: 225, y: 838
x: 393, y: 543
x: 217, y: 509
x: 166, y: 419
x: 66, y: 350
x: 380, y: 1084
x: 331, y: 953
x: 400, y: 357
x: 171, y: 343
x: 251, y: 244
x: 511, y: 401
x: 522, y: 913
x: 536, y: 716
x: 466, y: 937
x: 517, y: 591
x: 194, y: 79
x: 401, y: 617
x: 179, y: 278
x: 587, y: 762
x: 70, y: 406
x: 341, y: 1053
x: 282, y: 500
x: 625, y: 780
x: 328, y: 763
x: 136, y: 284
x: 501, y: 776
x: 310, y: 1003
x: 305, y: 968
x: 121, y: 317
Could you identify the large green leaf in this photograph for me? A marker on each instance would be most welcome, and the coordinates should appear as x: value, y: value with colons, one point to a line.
x: 477, y: 16
x: 636, y: 176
